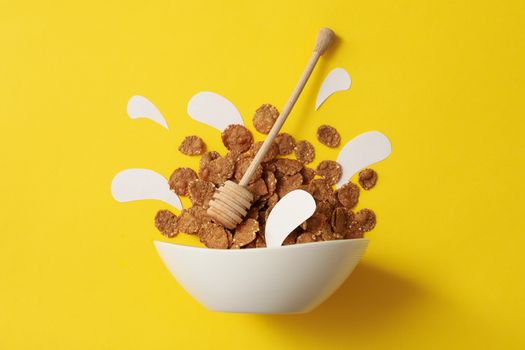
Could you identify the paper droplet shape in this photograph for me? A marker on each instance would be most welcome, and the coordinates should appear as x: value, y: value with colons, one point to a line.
x: 291, y: 211
x: 141, y: 107
x: 140, y: 184
x: 362, y: 151
x: 214, y: 110
x: 337, y: 80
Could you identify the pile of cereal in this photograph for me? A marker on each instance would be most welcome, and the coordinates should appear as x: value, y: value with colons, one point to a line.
x: 274, y: 178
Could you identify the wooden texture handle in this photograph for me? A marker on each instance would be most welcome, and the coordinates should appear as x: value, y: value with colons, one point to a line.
x: 324, y: 39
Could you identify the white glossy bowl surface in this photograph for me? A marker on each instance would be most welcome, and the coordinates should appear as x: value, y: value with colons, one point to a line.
x: 289, y: 279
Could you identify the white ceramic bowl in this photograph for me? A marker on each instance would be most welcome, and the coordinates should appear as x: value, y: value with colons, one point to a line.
x: 288, y: 279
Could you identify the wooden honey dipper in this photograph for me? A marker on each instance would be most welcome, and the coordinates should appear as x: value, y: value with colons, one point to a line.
x: 231, y: 201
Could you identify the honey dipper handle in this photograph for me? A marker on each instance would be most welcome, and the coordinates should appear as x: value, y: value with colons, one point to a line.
x: 324, y: 40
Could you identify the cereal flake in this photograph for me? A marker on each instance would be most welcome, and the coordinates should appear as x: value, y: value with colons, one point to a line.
x: 308, y: 175
x: 237, y: 138
x: 348, y: 195
x: 208, y: 157
x: 320, y: 189
x: 180, y: 179
x: 242, y: 165
x: 341, y: 220
x: 192, y: 146
x: 285, y: 143
x: 201, y: 192
x: 328, y: 136
x: 217, y: 170
x: 272, y: 152
x: 246, y: 232
x: 304, y: 152
x: 264, y: 118
x: 166, y: 223
x: 306, y: 237
x: 367, y: 178
x: 286, y: 184
x: 329, y: 170
x: 214, y: 236
x: 287, y: 167
x: 192, y: 219
x: 365, y: 220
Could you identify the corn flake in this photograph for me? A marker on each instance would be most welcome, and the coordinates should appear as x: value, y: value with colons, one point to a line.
x: 331, y: 171
x: 272, y: 152
x: 166, y: 223
x: 217, y: 170
x: 180, y: 179
x: 192, y: 146
x: 214, y: 236
x: 348, y: 195
x: 201, y: 192
x: 285, y: 143
x: 246, y: 232
x: 264, y: 118
x: 237, y: 138
x: 367, y: 178
x: 304, y: 152
x: 328, y: 136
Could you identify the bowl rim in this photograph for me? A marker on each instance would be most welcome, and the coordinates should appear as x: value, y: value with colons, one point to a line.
x: 262, y: 249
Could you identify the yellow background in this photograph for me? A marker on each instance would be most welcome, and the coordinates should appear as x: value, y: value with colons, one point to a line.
x: 445, y: 80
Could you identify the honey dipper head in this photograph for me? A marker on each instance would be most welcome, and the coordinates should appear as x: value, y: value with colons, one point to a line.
x: 229, y: 204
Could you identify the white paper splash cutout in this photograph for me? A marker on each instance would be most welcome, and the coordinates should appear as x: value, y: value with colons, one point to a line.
x: 337, y: 80
x: 362, y: 151
x: 140, y: 184
x: 141, y: 107
x: 291, y: 211
x: 214, y: 110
